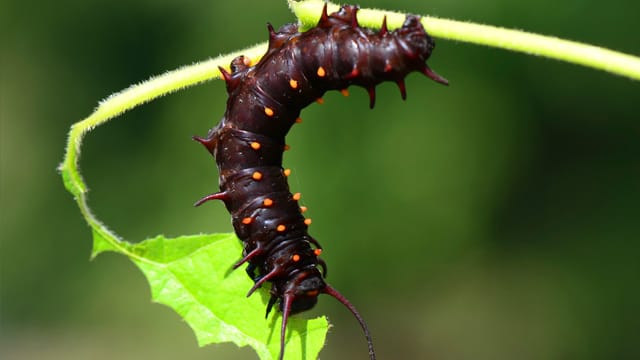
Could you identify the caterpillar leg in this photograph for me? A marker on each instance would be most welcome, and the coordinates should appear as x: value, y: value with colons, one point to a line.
x: 251, y: 271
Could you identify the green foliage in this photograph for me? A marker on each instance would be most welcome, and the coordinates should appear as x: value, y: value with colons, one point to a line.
x: 191, y: 274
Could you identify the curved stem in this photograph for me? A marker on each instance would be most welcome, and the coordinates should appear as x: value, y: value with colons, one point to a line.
x: 515, y: 40
x: 125, y: 100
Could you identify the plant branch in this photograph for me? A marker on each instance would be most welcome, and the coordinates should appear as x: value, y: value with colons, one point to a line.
x: 539, y: 45
x: 123, y: 101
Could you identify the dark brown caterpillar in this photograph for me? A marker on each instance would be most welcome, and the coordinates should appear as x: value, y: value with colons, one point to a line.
x: 265, y: 100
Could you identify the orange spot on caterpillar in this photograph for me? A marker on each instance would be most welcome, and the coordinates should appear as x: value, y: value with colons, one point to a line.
x: 247, y: 220
x: 307, y: 222
x: 344, y: 92
x: 312, y: 292
x: 320, y: 101
x: 281, y: 228
x: 303, y: 208
x: 298, y: 120
x: 256, y: 176
x: 268, y: 111
x: 293, y: 83
x: 287, y: 172
x: 317, y: 252
x: 295, y: 257
x: 287, y: 147
x: 321, y: 72
x: 297, y: 196
x: 255, y: 145
x: 267, y: 202
x: 387, y: 67
x: 247, y: 61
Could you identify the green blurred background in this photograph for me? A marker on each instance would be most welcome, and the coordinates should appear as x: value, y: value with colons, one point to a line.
x: 497, y: 218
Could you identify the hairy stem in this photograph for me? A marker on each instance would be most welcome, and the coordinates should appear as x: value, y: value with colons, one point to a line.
x: 539, y: 45
x: 126, y: 100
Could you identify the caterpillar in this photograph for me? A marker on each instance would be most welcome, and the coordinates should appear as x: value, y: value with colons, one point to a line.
x: 264, y: 102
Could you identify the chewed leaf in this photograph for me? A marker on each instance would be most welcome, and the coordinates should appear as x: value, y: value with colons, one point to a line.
x: 192, y: 275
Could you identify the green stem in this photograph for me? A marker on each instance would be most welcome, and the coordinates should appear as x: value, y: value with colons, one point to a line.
x: 125, y: 100
x: 570, y: 51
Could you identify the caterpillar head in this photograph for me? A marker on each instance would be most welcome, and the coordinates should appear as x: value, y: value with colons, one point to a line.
x: 303, y: 290
x: 301, y: 293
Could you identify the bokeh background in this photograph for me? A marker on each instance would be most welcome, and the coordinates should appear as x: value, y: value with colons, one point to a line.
x: 497, y: 218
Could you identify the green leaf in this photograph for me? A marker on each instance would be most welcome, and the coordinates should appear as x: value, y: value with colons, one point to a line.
x: 192, y: 275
